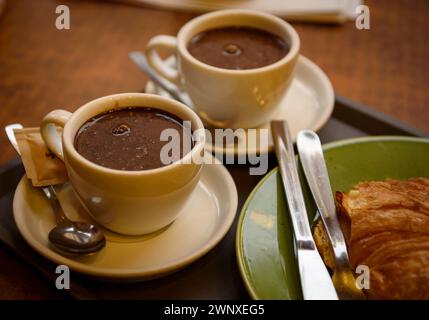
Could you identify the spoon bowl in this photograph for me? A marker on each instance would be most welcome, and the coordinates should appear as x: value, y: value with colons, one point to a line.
x: 77, y: 238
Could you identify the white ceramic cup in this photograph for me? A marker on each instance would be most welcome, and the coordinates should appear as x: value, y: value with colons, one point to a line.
x: 225, y: 97
x: 128, y: 202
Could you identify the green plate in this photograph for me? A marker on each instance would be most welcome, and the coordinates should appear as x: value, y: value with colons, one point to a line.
x: 264, y: 240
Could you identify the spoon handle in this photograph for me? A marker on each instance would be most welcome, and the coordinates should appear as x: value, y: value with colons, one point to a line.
x: 11, y: 135
x: 51, y: 194
x: 49, y: 191
x: 313, y: 163
x: 140, y: 60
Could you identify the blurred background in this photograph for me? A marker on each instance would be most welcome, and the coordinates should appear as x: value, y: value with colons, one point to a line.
x: 42, y: 68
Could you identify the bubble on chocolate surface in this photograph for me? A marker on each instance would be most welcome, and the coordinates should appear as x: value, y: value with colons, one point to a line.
x: 231, y: 49
x: 121, y: 130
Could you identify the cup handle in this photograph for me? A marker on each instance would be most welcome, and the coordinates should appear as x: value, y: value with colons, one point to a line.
x: 155, y: 61
x: 49, y: 131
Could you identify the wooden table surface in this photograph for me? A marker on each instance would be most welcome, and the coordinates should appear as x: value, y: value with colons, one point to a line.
x: 42, y: 68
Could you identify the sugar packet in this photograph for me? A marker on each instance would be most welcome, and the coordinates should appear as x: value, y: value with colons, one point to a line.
x: 41, y: 165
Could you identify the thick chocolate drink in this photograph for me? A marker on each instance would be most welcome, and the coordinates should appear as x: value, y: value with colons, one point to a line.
x: 237, y: 48
x: 128, y: 139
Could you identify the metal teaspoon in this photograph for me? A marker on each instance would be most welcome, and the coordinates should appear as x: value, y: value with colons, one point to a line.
x: 68, y: 237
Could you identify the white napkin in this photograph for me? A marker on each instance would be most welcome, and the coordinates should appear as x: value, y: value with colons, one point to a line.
x: 328, y: 11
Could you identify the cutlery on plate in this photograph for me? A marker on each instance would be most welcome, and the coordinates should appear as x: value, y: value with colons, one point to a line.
x: 140, y: 60
x: 316, y: 282
x: 68, y: 237
x: 312, y: 160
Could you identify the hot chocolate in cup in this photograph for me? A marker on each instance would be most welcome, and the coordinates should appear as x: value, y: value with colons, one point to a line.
x: 132, y: 200
x: 224, y: 94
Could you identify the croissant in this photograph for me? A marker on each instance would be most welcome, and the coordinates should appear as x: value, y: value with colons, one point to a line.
x: 386, y: 226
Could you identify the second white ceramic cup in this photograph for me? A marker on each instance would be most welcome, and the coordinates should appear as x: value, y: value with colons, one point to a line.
x: 225, y: 97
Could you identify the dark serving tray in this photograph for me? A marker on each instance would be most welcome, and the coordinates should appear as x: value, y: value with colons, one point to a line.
x: 216, y: 275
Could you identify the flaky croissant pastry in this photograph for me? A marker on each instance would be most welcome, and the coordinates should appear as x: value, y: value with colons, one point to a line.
x: 386, y: 225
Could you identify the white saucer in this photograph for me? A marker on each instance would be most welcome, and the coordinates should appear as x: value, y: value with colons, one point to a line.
x: 205, y: 220
x: 308, y: 104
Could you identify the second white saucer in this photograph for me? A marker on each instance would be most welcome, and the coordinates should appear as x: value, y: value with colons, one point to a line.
x: 308, y: 104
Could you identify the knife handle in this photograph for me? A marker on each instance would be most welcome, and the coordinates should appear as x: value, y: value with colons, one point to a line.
x: 316, y: 282
x: 291, y: 183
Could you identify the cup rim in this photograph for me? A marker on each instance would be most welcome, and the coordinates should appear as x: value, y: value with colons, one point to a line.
x: 295, y: 42
x: 68, y: 137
